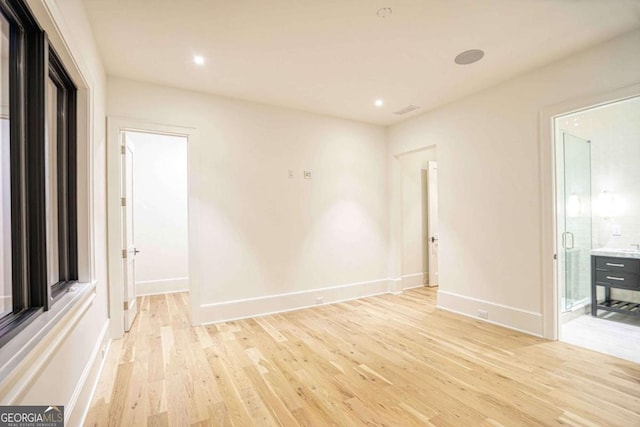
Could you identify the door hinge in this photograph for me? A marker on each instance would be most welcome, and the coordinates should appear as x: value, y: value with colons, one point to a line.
x: 124, y: 253
x: 123, y: 201
x: 123, y: 149
x: 126, y: 305
x: 555, y: 256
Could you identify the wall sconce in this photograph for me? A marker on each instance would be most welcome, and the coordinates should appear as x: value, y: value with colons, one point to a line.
x: 608, y: 205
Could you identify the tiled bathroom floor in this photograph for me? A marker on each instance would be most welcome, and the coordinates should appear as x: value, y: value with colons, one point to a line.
x: 611, y: 333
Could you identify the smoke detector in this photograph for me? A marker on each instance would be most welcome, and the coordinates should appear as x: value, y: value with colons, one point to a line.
x: 384, y: 12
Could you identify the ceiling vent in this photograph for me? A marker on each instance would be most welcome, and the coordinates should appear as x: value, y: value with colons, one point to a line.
x: 407, y: 109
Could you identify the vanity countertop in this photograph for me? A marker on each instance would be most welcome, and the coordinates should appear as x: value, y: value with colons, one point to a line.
x: 618, y: 253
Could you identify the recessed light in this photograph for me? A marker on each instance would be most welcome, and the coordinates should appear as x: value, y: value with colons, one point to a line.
x: 383, y: 12
x: 198, y: 59
x: 469, y: 56
x: 378, y: 103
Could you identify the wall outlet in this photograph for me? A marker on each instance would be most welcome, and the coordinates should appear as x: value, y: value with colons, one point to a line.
x: 290, y: 173
x: 307, y: 174
x: 319, y: 300
x: 483, y: 314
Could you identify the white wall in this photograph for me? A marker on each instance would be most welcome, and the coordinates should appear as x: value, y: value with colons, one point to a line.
x: 413, y: 235
x: 69, y: 366
x: 160, y: 212
x: 489, y: 176
x: 262, y: 233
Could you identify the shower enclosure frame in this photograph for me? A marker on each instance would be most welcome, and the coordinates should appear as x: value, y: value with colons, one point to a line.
x: 574, y: 219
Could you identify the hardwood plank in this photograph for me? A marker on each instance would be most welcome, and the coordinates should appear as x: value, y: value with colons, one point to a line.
x: 384, y: 360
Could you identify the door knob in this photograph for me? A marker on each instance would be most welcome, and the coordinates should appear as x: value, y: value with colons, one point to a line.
x: 434, y: 239
x: 135, y: 251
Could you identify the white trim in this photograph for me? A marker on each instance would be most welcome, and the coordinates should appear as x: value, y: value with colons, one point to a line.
x: 395, y: 286
x: 115, y: 125
x: 261, y: 306
x: 88, y: 382
x: 410, y: 281
x: 130, y: 313
x: 549, y: 303
x: 417, y: 286
x: 414, y: 150
x: 162, y: 286
x: 28, y: 360
x: 50, y: 18
x: 525, y: 321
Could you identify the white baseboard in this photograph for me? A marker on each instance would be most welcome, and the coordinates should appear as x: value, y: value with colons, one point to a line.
x: 395, y: 286
x: 164, y: 286
x: 240, y: 309
x: 78, y: 407
x: 412, y: 280
x: 502, y: 315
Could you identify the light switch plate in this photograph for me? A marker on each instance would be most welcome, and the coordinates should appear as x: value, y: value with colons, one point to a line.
x: 307, y: 174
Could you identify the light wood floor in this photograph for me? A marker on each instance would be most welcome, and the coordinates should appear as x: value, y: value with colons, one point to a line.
x: 390, y: 360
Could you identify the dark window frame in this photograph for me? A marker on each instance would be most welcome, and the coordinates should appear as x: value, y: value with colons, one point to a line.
x: 67, y: 176
x: 31, y: 62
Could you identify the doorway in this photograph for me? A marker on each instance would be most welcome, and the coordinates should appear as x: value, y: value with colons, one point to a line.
x: 151, y: 234
x: 419, y: 210
x: 597, y: 231
x: 160, y: 212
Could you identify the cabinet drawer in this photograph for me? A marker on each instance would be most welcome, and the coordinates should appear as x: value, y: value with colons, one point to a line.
x: 618, y: 279
x: 622, y: 265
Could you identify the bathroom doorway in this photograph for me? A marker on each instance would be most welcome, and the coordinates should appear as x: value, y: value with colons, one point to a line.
x: 598, y: 227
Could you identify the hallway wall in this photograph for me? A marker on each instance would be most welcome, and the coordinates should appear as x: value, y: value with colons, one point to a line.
x: 269, y: 242
x: 490, y: 180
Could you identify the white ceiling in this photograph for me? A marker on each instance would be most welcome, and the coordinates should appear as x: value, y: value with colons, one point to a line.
x: 336, y: 56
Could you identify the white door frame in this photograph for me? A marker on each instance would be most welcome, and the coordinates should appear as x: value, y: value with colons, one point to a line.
x: 432, y: 172
x: 395, y: 218
x: 116, y: 125
x: 548, y: 208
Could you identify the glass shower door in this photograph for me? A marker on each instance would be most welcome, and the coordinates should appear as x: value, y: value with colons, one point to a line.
x: 576, y: 238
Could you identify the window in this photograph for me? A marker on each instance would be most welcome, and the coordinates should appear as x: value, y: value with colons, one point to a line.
x: 38, y: 220
x: 60, y: 178
x: 6, y: 304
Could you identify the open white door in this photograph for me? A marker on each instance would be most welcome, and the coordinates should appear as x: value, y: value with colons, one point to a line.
x: 129, y: 252
x: 432, y: 221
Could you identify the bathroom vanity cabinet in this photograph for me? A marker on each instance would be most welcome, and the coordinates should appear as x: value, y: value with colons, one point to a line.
x: 614, y: 271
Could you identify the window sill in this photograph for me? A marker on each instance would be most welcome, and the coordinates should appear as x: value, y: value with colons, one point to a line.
x: 22, y: 358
